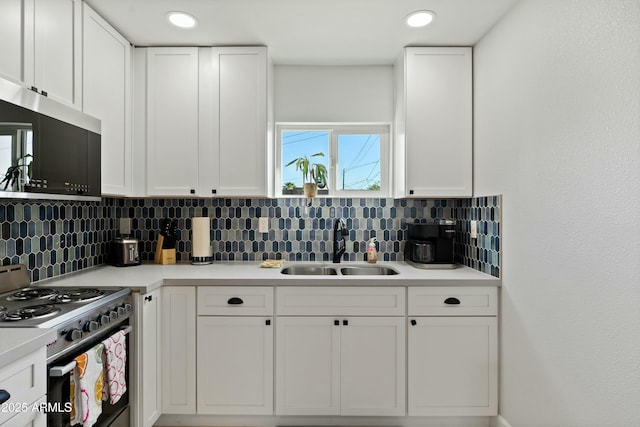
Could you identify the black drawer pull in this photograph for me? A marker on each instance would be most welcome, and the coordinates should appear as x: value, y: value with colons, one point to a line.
x: 4, y: 396
x: 149, y: 298
x: 452, y: 301
x: 235, y: 301
x: 345, y: 322
x: 336, y: 322
x: 267, y: 322
x: 413, y: 322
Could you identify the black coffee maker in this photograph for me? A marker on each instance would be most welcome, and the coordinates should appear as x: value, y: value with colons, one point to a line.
x: 430, y: 245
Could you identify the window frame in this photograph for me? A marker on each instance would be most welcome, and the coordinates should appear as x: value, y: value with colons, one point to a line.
x: 335, y: 129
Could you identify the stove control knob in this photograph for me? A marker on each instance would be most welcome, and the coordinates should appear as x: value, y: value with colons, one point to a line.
x: 103, y: 319
x: 113, y: 315
x: 74, y: 334
x: 121, y: 311
x: 91, y: 326
x: 128, y: 308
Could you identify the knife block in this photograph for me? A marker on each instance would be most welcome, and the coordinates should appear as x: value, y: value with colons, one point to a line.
x: 164, y: 256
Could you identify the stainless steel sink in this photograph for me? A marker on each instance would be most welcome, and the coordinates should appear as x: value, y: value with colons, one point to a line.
x: 310, y: 270
x: 368, y: 271
x: 323, y: 270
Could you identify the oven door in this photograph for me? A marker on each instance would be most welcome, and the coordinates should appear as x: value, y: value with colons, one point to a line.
x: 59, y: 390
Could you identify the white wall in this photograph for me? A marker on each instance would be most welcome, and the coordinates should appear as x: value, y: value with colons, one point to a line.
x: 557, y: 132
x: 333, y: 93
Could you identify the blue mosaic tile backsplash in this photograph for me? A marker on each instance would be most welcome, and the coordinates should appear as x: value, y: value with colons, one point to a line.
x: 54, y: 238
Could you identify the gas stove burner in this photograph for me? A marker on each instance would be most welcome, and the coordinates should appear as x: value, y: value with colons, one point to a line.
x: 31, y: 312
x: 76, y: 295
x: 31, y: 293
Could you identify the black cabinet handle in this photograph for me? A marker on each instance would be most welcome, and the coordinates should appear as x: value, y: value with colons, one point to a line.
x: 452, y: 301
x: 410, y: 191
x: 4, y: 396
x: 267, y: 322
x: 44, y: 93
x: 214, y: 191
x: 235, y: 301
x: 345, y: 322
x: 336, y: 322
x: 413, y: 322
x: 149, y: 298
x: 192, y: 191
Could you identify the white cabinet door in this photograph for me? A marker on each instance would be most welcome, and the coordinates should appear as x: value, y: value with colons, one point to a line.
x: 150, y: 358
x: 307, y: 366
x: 238, y: 123
x: 373, y: 366
x: 57, y: 41
x: 179, y: 350
x: 235, y: 365
x: 12, y: 34
x: 107, y: 96
x: 434, y: 123
x: 172, y: 121
x: 453, y: 364
x: 30, y: 418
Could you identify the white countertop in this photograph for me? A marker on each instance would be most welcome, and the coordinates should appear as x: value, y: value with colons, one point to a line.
x: 147, y: 277
x: 18, y: 342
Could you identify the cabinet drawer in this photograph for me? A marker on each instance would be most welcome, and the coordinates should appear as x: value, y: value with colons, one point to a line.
x: 453, y: 301
x: 340, y: 301
x: 235, y: 301
x: 25, y: 379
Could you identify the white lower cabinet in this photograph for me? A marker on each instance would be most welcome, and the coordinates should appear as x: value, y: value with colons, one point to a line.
x: 29, y: 418
x: 179, y: 350
x: 235, y: 350
x: 340, y: 366
x: 340, y: 363
x: 453, y: 352
x: 235, y: 365
x: 147, y: 350
x: 327, y: 351
x: 25, y: 380
x: 307, y: 366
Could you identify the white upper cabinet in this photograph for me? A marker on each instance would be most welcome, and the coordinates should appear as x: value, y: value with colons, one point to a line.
x: 12, y: 33
x: 172, y: 121
x: 42, y: 48
x: 206, y: 117
x: 106, y: 95
x: 235, y: 148
x: 433, y: 123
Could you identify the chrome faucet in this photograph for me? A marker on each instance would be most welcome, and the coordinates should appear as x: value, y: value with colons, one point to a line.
x: 339, y: 245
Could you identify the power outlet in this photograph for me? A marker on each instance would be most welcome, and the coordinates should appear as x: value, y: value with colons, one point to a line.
x: 263, y: 224
x: 124, y: 225
x: 473, y: 229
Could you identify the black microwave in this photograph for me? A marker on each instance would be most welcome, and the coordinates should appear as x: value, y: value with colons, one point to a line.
x: 47, y: 150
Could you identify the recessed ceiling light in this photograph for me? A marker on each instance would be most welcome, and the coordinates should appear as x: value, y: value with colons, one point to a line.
x: 420, y: 18
x: 182, y: 19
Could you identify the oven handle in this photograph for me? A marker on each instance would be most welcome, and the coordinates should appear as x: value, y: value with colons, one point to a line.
x: 60, y: 371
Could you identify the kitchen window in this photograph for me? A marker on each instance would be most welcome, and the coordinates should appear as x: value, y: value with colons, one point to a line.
x: 356, y: 157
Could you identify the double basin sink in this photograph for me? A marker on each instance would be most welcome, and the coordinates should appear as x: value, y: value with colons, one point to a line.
x: 325, y: 270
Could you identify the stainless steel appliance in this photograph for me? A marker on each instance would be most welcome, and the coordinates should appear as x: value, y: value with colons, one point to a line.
x: 125, y: 251
x: 83, y: 317
x: 51, y: 150
x: 430, y: 245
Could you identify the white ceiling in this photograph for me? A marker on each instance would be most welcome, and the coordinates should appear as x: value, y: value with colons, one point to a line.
x: 307, y: 32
